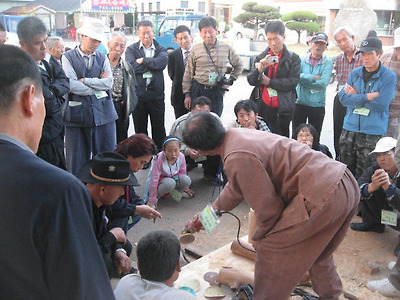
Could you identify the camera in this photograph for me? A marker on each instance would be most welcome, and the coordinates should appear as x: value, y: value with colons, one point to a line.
x: 272, y: 59
x: 222, y: 80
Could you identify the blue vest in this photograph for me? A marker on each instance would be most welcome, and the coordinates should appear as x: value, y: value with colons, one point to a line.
x: 92, y: 112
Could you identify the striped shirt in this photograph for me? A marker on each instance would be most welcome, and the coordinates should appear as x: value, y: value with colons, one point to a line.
x: 200, y: 65
x: 343, y: 67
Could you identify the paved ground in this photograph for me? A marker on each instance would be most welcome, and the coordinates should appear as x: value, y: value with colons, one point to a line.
x: 354, y: 255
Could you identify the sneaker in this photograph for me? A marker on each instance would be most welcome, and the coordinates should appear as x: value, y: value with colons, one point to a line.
x: 391, y: 265
x: 384, y: 287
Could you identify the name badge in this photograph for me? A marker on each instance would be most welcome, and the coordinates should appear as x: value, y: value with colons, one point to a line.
x: 272, y: 92
x: 362, y: 111
x: 100, y: 94
x: 209, y: 219
x: 212, y: 78
x: 148, y: 74
x: 200, y: 158
x: 340, y: 87
x: 388, y: 217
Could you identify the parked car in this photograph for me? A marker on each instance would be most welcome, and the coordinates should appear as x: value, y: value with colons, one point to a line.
x: 243, y: 32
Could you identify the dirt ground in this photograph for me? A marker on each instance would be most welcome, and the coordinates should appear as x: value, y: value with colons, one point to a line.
x: 359, y: 253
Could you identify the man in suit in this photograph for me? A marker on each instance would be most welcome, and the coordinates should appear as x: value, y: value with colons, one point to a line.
x: 148, y: 58
x: 176, y: 68
x: 48, y: 246
x: 32, y: 34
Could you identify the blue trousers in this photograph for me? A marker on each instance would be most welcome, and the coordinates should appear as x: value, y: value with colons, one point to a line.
x: 82, y: 143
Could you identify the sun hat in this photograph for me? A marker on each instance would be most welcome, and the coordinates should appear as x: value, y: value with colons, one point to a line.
x: 109, y: 168
x: 93, y: 28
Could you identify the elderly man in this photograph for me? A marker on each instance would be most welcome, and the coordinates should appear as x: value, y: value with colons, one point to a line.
x: 177, y: 62
x: 124, y: 86
x: 48, y: 246
x: 158, y: 254
x: 55, y: 49
x: 316, y: 71
x: 32, y: 34
x: 90, y: 114
x: 275, y: 80
x: 303, y: 202
x: 206, y: 68
x: 106, y: 176
x: 380, y: 188
x: 344, y: 64
x: 367, y: 96
x: 391, y: 60
x: 149, y: 59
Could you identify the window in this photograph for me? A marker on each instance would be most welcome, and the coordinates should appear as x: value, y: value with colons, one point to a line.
x: 142, y: 7
x: 202, y: 7
x: 158, y: 6
x: 184, y: 4
x: 150, y: 6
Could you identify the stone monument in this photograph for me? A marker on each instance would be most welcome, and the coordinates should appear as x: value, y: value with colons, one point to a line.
x: 358, y: 15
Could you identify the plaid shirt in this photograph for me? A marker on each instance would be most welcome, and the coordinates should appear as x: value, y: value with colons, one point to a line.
x: 343, y: 67
x: 390, y: 60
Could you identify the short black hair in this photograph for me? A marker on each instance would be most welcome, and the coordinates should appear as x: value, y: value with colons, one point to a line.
x: 247, y: 105
x: 181, y: 28
x: 203, y: 131
x: 313, y: 132
x: 18, y: 70
x: 275, y: 27
x: 206, y: 22
x: 144, y: 23
x: 202, y: 100
x: 29, y: 28
x: 157, y: 254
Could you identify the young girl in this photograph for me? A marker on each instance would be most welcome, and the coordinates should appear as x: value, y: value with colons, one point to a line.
x: 169, y: 172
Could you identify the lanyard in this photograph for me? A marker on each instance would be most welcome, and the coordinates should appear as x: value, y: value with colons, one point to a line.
x: 209, y: 57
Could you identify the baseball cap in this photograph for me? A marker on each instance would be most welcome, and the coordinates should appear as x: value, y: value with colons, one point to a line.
x: 320, y: 37
x: 384, y: 144
x: 370, y: 44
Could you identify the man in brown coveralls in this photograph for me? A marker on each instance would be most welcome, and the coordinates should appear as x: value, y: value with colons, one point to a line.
x: 303, y: 203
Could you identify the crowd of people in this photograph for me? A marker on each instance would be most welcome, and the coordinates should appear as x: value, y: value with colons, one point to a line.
x: 72, y: 109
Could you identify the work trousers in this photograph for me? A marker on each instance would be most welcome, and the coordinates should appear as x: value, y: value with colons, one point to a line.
x: 214, y: 93
x: 156, y: 110
x: 314, y: 115
x: 285, y: 255
x: 339, y: 112
x: 83, y: 143
x: 354, y: 150
x: 277, y: 123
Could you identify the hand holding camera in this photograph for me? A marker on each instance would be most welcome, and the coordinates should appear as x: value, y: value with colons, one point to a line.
x: 267, y: 61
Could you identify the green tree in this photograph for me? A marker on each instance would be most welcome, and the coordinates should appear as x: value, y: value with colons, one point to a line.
x: 300, y: 21
x: 256, y: 15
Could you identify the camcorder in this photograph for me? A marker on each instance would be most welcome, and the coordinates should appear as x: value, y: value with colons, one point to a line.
x: 272, y: 59
x: 224, y: 81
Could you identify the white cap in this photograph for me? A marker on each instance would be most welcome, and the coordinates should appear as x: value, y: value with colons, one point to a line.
x: 93, y: 28
x: 384, y: 144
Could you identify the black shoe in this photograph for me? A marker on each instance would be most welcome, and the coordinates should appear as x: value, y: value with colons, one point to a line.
x: 213, y: 179
x: 379, y: 228
x: 190, y: 167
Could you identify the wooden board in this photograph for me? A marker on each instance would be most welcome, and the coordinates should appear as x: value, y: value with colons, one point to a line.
x: 222, y: 257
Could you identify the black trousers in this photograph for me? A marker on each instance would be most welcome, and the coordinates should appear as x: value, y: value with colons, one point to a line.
x: 53, y: 152
x: 210, y: 166
x: 121, y: 123
x: 215, y: 94
x: 279, y: 124
x: 339, y: 112
x: 314, y: 115
x: 156, y: 110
